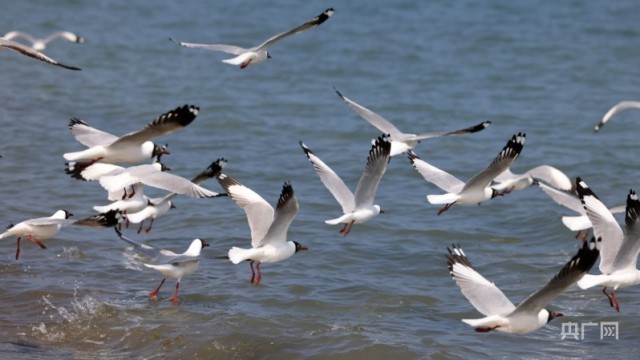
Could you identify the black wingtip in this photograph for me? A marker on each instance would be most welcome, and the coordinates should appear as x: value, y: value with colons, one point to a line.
x: 285, y: 195
x: 583, y: 189
x: 324, y: 16
x: 339, y: 93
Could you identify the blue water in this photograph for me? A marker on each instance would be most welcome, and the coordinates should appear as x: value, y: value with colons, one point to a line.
x: 550, y: 69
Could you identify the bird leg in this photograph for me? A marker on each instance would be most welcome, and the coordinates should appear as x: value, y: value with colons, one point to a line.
x: 445, y: 208
x: 36, y: 241
x: 259, y: 274
x: 586, y: 235
x: 174, y: 299
x: 126, y: 223
x: 604, y: 291
x: 18, y: 249
x: 154, y: 293
x: 347, y: 228
x: 578, y: 234
x: 615, y: 300
x: 140, y: 228
x: 245, y: 64
x: 344, y: 228
x: 149, y: 228
x: 485, y: 329
x: 133, y: 192
x: 253, y: 274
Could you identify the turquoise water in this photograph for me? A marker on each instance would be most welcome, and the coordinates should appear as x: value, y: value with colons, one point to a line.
x: 548, y: 69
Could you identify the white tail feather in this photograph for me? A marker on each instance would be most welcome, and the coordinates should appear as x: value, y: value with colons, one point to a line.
x: 442, y: 199
x: 589, y: 281
x: 577, y: 223
x: 238, y: 255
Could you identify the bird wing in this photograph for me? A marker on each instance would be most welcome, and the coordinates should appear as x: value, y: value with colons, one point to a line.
x: 19, y: 34
x: 623, y: 105
x: 551, y: 176
x: 563, y: 198
x: 166, y: 123
x: 306, y: 26
x: 172, y: 183
x: 570, y: 273
x: 89, y: 136
x: 505, y: 158
x: 432, y: 174
x: 286, y: 211
x: 67, y: 35
x: 484, y: 295
x: 468, y: 130
x: 605, y: 227
x: 374, y: 169
x: 108, y: 219
x: 229, y: 49
x: 627, y: 257
x: 260, y: 214
x: 374, y: 119
x: 154, y: 255
x: 25, y: 50
x: 331, y: 181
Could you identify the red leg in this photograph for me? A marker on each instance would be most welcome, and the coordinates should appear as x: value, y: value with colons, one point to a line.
x: 133, y: 192
x: 445, y: 208
x: 616, y: 304
x: 578, y: 233
x: 34, y: 240
x: 348, y: 228
x: 343, y: 228
x: 586, y: 235
x: 174, y: 299
x: 604, y: 291
x: 154, y: 293
x: 124, y: 194
x: 126, y: 223
x: 18, y: 249
x: 259, y: 274
x: 485, y: 329
x: 244, y: 65
x: 149, y: 228
x: 140, y: 228
x: 253, y: 274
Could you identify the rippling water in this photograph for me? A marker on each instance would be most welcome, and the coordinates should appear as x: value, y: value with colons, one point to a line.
x: 549, y: 69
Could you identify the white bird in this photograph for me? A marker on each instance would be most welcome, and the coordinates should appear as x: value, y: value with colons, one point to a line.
x: 37, y: 230
x: 476, y: 189
x: 27, y: 51
x: 268, y: 227
x: 133, y: 147
x: 500, y: 313
x: 358, y: 207
x: 508, y: 181
x: 572, y: 202
x: 157, y: 207
x: 623, y: 105
x: 41, y: 44
x: 168, y: 263
x: 401, y: 142
x: 257, y: 54
x: 619, y: 250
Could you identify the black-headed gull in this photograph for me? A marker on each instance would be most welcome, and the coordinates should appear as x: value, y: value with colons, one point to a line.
x: 358, y: 207
x: 401, y: 142
x: 619, y: 250
x: 572, y: 202
x: 500, y: 313
x: 268, y: 227
x: 41, y: 44
x: 37, y: 230
x: 257, y: 54
x: 168, y: 263
x: 28, y: 51
x: 133, y: 147
x: 508, y: 181
x: 623, y: 105
x: 476, y: 189
x: 157, y: 207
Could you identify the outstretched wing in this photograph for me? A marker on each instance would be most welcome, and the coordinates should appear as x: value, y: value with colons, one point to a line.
x: 25, y: 50
x: 374, y: 119
x: 432, y: 174
x: 89, y: 136
x: 286, y: 211
x: 376, y: 166
x: 623, y: 105
x: 627, y: 257
x: 166, y: 123
x: 229, y: 49
x: 505, y: 158
x: 468, y: 130
x: 306, y: 26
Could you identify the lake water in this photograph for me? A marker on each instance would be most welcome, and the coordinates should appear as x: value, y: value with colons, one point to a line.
x: 550, y: 69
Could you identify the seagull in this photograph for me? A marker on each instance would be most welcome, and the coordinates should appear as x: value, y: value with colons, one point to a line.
x: 41, y: 44
x: 619, y: 250
x: 623, y: 105
x: 358, y: 207
x: 401, y: 142
x: 168, y: 263
x: 257, y: 54
x: 476, y: 189
x: 133, y: 147
x: 572, y: 202
x: 27, y: 51
x: 268, y: 227
x: 157, y: 207
x: 508, y: 181
x: 37, y: 230
x: 531, y: 314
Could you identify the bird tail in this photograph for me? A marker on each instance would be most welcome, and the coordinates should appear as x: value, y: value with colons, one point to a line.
x: 589, y: 281
x: 577, y: 223
x: 238, y: 255
x: 442, y: 199
x: 238, y: 60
